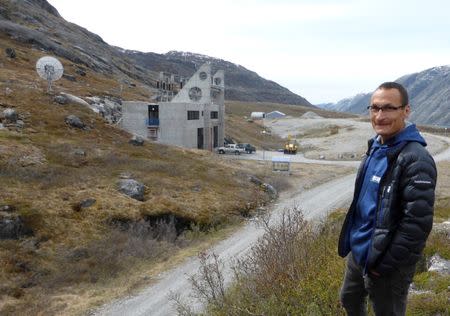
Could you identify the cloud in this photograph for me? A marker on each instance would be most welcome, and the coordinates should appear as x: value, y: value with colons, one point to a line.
x: 342, y: 47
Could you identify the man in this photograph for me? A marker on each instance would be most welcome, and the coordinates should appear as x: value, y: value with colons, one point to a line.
x: 391, y: 214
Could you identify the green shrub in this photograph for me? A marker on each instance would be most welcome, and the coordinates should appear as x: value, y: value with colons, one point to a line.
x: 292, y: 270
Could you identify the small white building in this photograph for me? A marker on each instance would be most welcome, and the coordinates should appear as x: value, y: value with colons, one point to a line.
x: 194, y: 118
x: 275, y: 114
x: 257, y: 115
x: 281, y: 163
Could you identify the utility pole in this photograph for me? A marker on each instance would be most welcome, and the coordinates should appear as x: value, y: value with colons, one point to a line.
x: 264, y: 139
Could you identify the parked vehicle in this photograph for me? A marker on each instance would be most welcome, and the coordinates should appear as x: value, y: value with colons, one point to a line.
x: 247, y: 147
x: 291, y: 146
x: 230, y: 149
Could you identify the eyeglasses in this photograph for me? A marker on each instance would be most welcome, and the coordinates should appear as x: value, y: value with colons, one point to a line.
x: 386, y: 108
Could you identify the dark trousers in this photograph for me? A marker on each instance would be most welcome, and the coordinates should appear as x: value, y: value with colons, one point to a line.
x: 388, y: 294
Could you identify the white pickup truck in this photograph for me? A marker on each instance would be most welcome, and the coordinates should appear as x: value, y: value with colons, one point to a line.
x: 230, y: 149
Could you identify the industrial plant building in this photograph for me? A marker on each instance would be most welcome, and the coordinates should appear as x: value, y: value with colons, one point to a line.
x: 192, y: 118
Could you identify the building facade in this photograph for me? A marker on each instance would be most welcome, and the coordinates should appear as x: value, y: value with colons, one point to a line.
x: 193, y: 118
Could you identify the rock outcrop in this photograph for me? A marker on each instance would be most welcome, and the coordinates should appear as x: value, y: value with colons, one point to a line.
x: 12, y: 226
x: 75, y: 121
x: 132, y: 188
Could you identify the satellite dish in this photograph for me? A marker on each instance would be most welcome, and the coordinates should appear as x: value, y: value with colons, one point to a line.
x: 50, y: 69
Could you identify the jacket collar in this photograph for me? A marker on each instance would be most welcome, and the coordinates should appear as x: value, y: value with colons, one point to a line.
x: 392, y: 153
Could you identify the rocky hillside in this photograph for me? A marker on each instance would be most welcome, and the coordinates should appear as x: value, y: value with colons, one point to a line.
x: 81, y: 203
x: 241, y: 84
x: 429, y: 92
x: 38, y: 23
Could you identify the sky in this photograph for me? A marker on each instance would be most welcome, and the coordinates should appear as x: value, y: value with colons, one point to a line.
x: 323, y: 50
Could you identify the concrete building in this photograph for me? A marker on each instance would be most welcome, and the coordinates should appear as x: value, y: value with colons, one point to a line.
x: 193, y: 118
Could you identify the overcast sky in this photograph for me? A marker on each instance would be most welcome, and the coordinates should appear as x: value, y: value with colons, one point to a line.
x: 322, y: 50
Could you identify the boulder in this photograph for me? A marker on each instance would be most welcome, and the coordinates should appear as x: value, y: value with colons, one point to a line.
x: 255, y: 180
x: 132, y: 188
x: 74, y: 99
x: 79, y: 152
x: 74, y: 121
x: 20, y: 124
x: 10, y: 115
x: 10, y: 52
x: 60, y: 99
x: 87, y: 203
x: 108, y: 107
x: 442, y: 228
x: 12, y: 226
x: 439, y: 265
x: 136, y: 140
x: 69, y: 77
x: 271, y: 190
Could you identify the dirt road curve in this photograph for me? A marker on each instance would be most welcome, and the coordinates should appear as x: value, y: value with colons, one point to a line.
x: 316, y: 203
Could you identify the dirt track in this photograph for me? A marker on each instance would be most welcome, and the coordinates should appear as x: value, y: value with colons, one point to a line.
x: 155, y: 300
x: 315, y: 203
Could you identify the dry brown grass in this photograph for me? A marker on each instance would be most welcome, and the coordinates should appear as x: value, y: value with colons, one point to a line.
x: 77, y: 253
x: 295, y: 269
x: 442, y: 203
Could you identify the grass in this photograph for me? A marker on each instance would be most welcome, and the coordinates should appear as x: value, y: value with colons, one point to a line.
x: 292, y: 270
x: 295, y: 270
x: 76, y: 256
x: 83, y: 257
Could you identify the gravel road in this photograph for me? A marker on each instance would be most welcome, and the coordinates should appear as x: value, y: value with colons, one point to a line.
x: 315, y: 203
x: 155, y: 300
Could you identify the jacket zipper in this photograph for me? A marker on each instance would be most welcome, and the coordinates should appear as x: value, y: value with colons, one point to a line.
x: 375, y: 220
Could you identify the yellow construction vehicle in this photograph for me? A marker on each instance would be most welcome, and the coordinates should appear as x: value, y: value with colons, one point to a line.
x: 291, y: 146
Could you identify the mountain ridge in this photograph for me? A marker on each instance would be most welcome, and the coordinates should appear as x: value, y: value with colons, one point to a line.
x: 429, y: 94
x: 38, y: 23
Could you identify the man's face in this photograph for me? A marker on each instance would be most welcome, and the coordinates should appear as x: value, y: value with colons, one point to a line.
x: 388, y: 123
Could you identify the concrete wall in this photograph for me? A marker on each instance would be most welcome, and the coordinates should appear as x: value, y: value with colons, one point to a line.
x: 176, y: 129
x: 134, y: 115
x: 174, y: 126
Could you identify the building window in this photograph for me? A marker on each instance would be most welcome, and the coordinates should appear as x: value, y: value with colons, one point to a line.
x: 193, y: 115
x: 153, y: 115
x: 214, y: 114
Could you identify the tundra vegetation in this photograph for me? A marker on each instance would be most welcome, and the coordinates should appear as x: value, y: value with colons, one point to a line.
x: 294, y: 269
x: 79, y: 242
x: 75, y: 240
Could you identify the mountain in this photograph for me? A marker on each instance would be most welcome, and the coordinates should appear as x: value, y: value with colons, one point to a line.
x: 69, y: 226
x: 38, y: 23
x: 429, y: 94
x: 241, y: 84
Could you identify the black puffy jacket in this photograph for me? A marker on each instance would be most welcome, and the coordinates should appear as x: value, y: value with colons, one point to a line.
x: 404, y: 215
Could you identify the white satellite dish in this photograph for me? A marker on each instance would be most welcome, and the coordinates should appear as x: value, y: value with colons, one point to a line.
x: 50, y: 69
